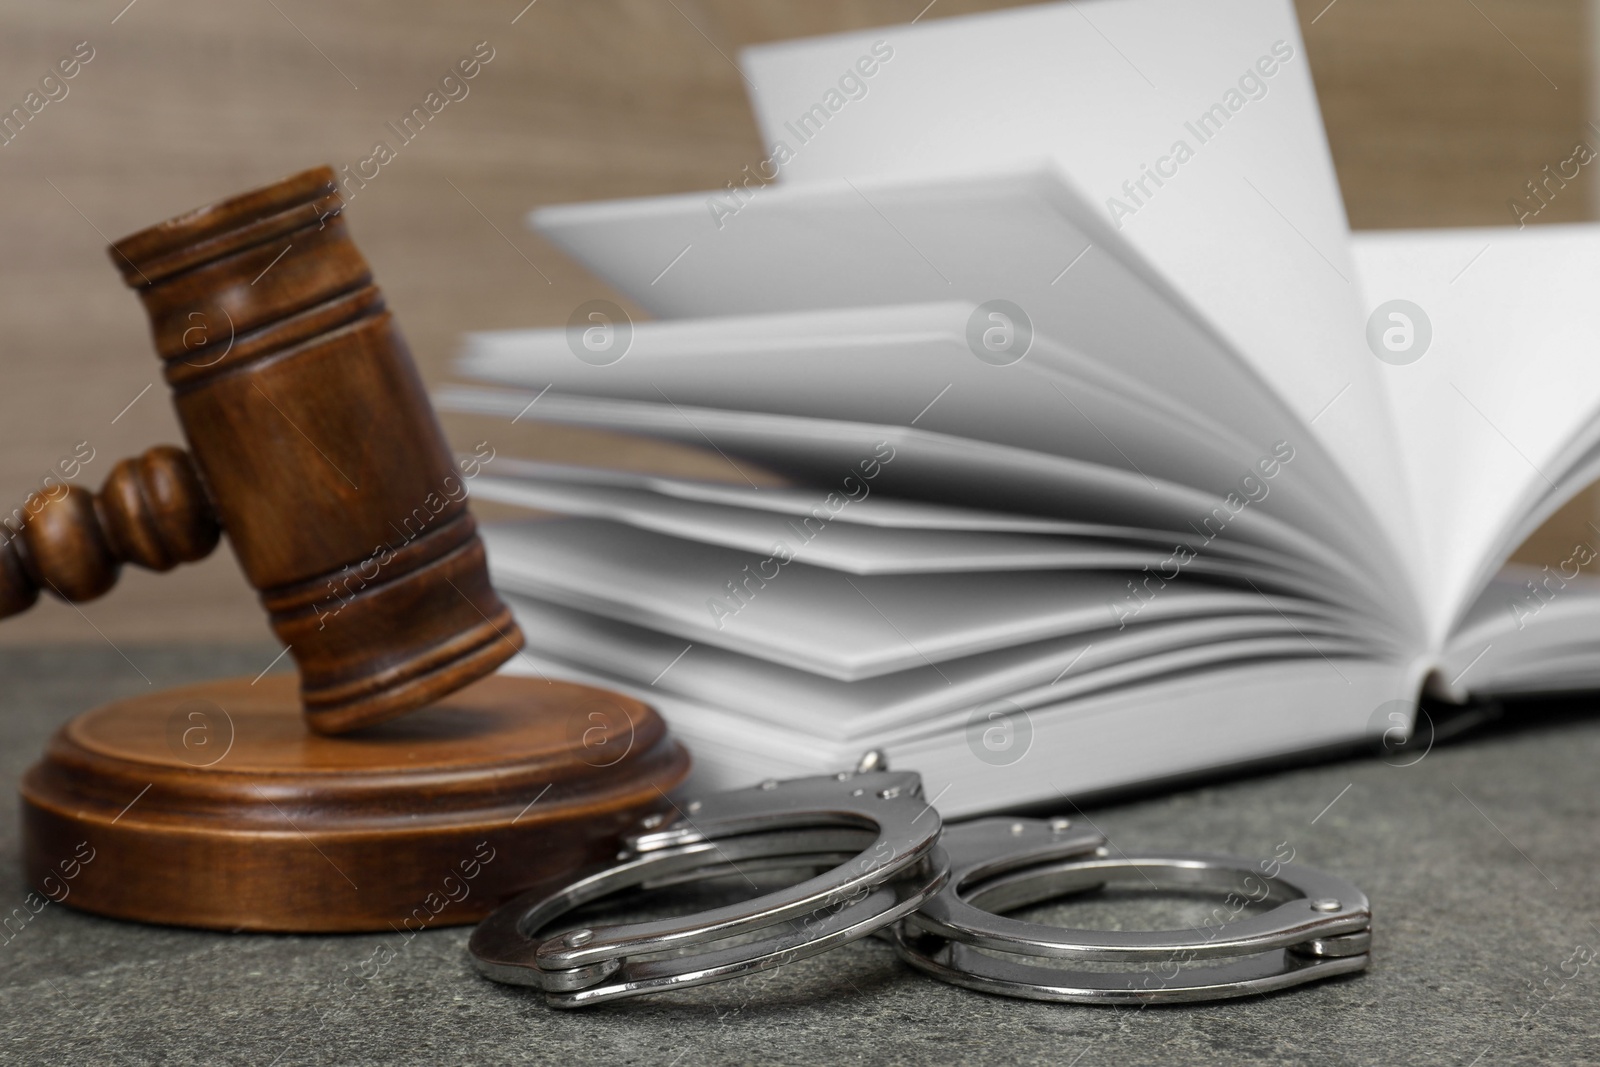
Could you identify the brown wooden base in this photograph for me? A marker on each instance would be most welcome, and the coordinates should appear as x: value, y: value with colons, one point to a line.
x: 214, y: 805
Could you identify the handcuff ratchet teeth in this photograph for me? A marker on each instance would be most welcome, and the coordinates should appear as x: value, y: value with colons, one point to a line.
x: 1319, y: 925
x: 873, y: 832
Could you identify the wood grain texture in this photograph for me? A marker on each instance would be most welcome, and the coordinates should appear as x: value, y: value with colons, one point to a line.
x: 1437, y: 112
x: 152, y: 511
x: 213, y: 806
x: 316, y: 447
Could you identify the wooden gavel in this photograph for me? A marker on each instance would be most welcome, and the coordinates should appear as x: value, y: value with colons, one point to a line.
x: 311, y: 443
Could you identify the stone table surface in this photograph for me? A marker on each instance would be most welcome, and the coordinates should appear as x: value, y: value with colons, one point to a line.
x: 1480, y: 861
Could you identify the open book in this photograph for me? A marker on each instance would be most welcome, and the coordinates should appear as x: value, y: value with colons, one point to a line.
x: 1109, y: 453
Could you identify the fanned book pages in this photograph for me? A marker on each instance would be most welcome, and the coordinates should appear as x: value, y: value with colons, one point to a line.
x: 1096, y: 449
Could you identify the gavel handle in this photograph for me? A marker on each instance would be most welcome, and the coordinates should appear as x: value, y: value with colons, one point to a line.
x: 152, y: 511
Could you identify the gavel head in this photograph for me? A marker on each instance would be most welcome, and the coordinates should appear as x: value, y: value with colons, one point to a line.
x: 314, y: 448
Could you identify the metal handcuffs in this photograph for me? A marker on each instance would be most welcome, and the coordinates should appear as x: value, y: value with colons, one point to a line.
x: 1319, y: 927
x: 886, y: 867
x: 873, y: 831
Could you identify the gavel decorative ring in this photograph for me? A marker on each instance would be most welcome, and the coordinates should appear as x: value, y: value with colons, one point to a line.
x: 314, y: 447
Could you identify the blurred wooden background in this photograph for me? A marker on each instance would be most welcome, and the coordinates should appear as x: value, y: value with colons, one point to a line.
x: 1438, y: 111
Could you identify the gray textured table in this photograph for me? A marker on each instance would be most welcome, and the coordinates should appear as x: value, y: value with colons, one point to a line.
x: 1480, y: 861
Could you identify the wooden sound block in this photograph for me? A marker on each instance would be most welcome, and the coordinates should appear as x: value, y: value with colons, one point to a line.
x: 215, y: 806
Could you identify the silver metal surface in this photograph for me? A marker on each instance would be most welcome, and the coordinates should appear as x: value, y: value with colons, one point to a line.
x: 873, y: 833
x: 1319, y: 925
x: 965, y: 966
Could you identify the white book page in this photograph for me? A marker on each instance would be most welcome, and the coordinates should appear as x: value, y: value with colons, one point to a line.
x: 826, y: 622
x: 1208, y: 720
x: 898, y: 513
x: 893, y: 364
x: 855, y: 549
x: 816, y: 536
x: 1530, y: 631
x: 1025, y: 676
x: 904, y: 241
x: 917, y: 463
x: 860, y: 364
x: 672, y: 498
x: 1247, y: 224
x: 900, y: 241
x: 906, y: 461
x: 1139, y: 733
x: 1499, y: 409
